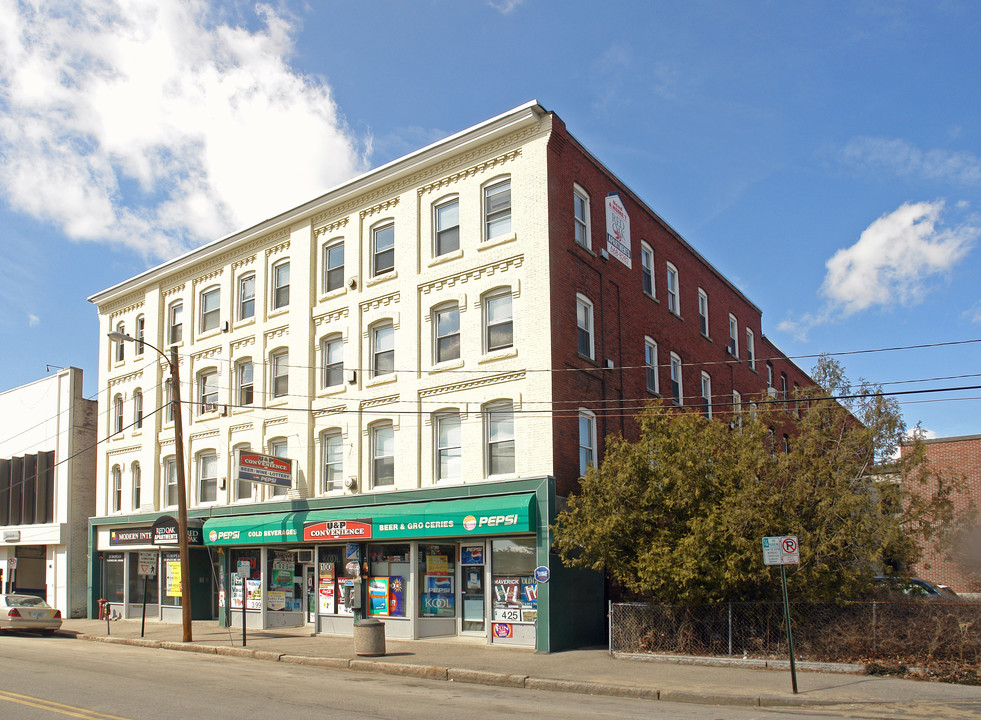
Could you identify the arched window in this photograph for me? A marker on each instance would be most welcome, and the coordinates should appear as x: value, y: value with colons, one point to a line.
x: 117, y: 488
x: 587, y: 440
x: 446, y: 332
x: 120, y: 346
x: 498, y: 320
x: 138, y: 408
x: 382, y: 436
x: 499, y: 437
x: 137, y: 485
x: 448, y: 458
x: 332, y: 454
x: 117, y: 414
x: 497, y: 208
x: 584, y: 327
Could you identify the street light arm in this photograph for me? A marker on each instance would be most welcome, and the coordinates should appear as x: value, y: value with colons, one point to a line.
x: 123, y: 337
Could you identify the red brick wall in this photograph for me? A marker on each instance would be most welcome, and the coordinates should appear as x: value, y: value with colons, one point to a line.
x: 957, y: 456
x: 624, y: 314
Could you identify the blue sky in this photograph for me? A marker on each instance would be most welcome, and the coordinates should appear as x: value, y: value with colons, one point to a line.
x: 824, y: 156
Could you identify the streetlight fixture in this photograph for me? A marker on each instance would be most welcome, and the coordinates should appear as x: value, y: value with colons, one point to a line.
x: 181, y: 482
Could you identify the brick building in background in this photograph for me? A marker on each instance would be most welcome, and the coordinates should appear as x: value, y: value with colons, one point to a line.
x: 956, y: 457
x: 440, y: 347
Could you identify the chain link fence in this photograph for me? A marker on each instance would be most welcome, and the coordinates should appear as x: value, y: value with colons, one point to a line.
x: 911, y: 633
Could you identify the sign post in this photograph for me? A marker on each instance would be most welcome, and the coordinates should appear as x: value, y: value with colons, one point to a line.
x: 244, y: 570
x: 148, y: 569
x: 784, y: 550
x: 11, y: 572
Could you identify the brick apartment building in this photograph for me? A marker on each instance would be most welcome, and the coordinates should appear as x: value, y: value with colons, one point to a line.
x: 956, y: 457
x: 439, y: 347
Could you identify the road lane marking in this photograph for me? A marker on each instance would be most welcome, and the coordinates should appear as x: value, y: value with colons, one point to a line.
x: 68, y: 710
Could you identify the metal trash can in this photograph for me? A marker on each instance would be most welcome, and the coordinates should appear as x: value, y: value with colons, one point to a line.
x: 369, y: 637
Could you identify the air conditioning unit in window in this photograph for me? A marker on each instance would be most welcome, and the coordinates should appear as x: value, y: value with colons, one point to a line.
x: 772, y: 392
x: 304, y: 556
x: 730, y: 350
x: 209, y: 407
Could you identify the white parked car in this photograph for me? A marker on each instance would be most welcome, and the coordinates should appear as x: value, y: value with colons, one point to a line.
x: 28, y: 612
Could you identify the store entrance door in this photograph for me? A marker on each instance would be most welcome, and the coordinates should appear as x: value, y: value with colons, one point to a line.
x: 472, y: 588
x: 310, y: 594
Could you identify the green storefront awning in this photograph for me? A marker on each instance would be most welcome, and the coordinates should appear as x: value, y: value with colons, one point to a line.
x: 496, y: 515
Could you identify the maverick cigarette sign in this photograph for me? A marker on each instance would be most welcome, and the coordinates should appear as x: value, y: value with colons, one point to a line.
x: 265, y: 469
x: 337, y: 530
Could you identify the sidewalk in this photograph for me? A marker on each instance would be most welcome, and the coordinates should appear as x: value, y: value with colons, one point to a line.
x: 582, y: 671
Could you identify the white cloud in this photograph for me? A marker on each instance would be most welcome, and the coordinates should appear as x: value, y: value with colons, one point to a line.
x: 158, y: 125
x: 505, y: 7
x: 903, y: 159
x: 33, y: 320
x: 895, y: 258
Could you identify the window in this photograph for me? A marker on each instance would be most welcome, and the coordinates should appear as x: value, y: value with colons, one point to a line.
x: 210, y: 309
x: 587, y: 441
x: 446, y: 325
x: 246, y: 297
x: 279, y: 448
x: 769, y: 374
x: 737, y: 410
x: 677, y: 396
x: 584, y: 326
x: 280, y: 375
x: 674, y: 304
x: 750, y: 349
x: 498, y: 323
x: 733, y: 336
x: 331, y: 450
x: 383, y: 350
x: 334, y: 266
x: 137, y: 485
x: 383, y: 249
x: 703, y: 312
x: 580, y: 213
x: 650, y: 363
x: 647, y: 269
x: 117, y: 414
x: 245, y: 382
x: 117, y: 488
x: 332, y: 351
x: 446, y: 227
x: 243, y: 488
x: 383, y: 455
x: 208, y: 391
x: 120, y: 345
x: 497, y: 210
x: 783, y: 388
x: 706, y: 395
x: 207, y: 478
x: 786, y: 444
x: 140, y: 333
x: 137, y: 408
x: 449, y: 457
x: 170, y: 482
x: 281, y: 285
x: 175, y: 322
x: 500, y: 439
x: 169, y: 400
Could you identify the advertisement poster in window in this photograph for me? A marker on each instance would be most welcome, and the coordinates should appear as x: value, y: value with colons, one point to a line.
x: 326, y: 588
x: 438, y: 600
x: 396, y: 602
x: 277, y: 600
x: 343, y: 609
x: 253, y: 589
x: 503, y: 630
x: 471, y: 554
x: 173, y: 579
x: 515, y: 599
x: 378, y: 596
x: 437, y: 565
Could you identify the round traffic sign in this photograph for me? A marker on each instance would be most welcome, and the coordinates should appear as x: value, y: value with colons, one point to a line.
x: 789, y: 545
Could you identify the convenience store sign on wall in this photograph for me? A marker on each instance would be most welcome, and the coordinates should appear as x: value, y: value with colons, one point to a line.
x: 448, y: 518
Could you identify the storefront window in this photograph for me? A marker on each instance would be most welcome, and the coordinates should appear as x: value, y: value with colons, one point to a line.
x: 137, y: 582
x: 515, y: 591
x: 388, y: 573
x: 171, y: 578
x: 285, y: 591
x: 334, y: 572
x: 253, y: 583
x: 437, y: 566
x: 115, y: 577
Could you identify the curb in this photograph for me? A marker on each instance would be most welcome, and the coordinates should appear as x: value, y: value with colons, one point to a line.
x: 753, y: 663
x: 476, y: 677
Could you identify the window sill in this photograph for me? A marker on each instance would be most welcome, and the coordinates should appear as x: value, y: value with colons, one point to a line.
x: 499, y: 240
x: 444, y: 366
x: 383, y: 380
x: 333, y: 294
x: 332, y: 390
x: 279, y: 311
x: 591, y: 361
x: 582, y: 246
x: 277, y: 402
x: 503, y: 476
x: 205, y: 334
x: 651, y: 297
x: 377, y: 279
x: 244, y: 322
x: 496, y: 355
x: 446, y: 257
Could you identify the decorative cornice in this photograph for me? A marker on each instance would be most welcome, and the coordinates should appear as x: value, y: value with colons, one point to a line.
x: 242, y: 427
x: 282, y: 420
x: 120, y: 379
x: 209, y: 276
x: 281, y: 247
x: 331, y: 316
x: 330, y: 227
x: 471, y: 384
x: 473, y: 274
x: 124, y: 450
x: 206, y: 354
x: 243, y: 262
x: 380, y: 207
x: 173, y: 290
x: 128, y: 305
x: 244, y: 342
x: 279, y: 332
x: 204, y: 435
x: 469, y: 172
x: 333, y: 410
x: 375, y: 402
x: 379, y: 302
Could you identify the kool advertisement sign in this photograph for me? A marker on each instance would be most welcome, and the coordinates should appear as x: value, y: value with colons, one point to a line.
x: 265, y: 469
x: 617, y: 229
